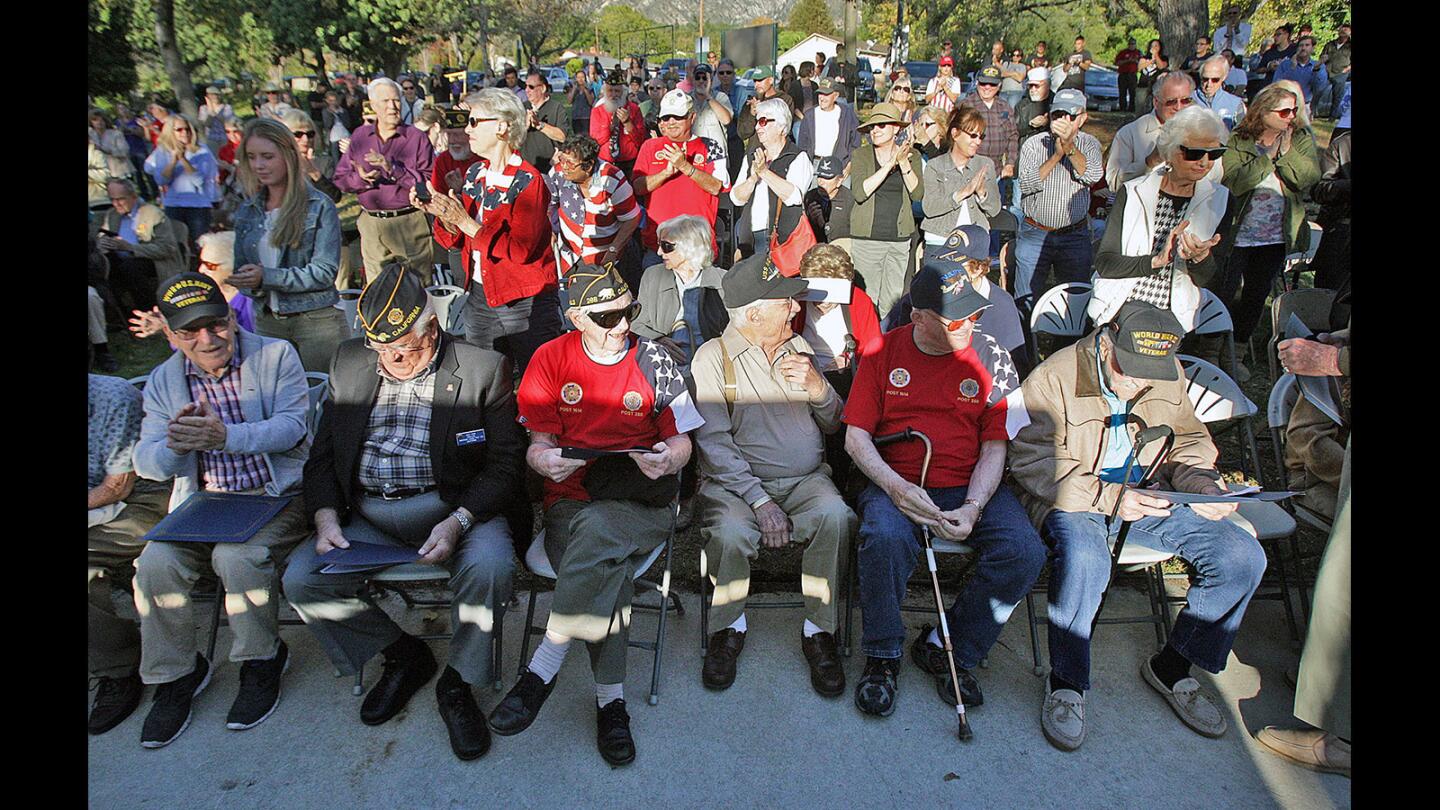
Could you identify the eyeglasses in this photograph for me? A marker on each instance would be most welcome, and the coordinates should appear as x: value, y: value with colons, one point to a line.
x: 1183, y: 101
x: 979, y: 136
x: 1195, y: 153
x: 566, y: 163
x: 665, y: 119
x: 408, y: 87
x: 475, y: 122
x: 1058, y: 114
x: 724, y: 73
x: 218, y: 328
x: 1213, y: 79
x: 389, y: 350
x: 529, y: 86
x: 666, y: 247
x: 307, y: 133
x: 213, y: 267
x: 959, y: 323
x: 760, y: 122
x: 609, y: 319
x: 1284, y: 112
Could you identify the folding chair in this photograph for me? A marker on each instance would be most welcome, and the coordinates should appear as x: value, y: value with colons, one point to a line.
x: 539, y: 564
x: 1310, y: 305
x: 1297, y: 262
x: 317, y: 382
x: 217, y: 617
x: 1060, y: 312
x: 1214, y: 319
x: 350, y: 305
x: 395, y: 579
x: 1218, y: 398
x: 1283, y: 398
x: 449, y: 301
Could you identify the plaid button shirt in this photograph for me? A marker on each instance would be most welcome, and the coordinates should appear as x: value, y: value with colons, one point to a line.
x: 397, y: 438
x: 222, y: 471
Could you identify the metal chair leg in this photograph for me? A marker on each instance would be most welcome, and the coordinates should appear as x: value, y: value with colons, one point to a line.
x: 497, y: 644
x: 1157, y: 607
x: 1034, y: 633
x: 706, y: 594
x: 1300, y: 575
x: 665, y: 594
x: 1164, y: 604
x: 215, y: 622
x: 359, y: 688
x: 525, y: 637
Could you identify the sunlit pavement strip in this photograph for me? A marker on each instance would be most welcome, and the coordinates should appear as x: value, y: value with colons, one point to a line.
x: 773, y: 739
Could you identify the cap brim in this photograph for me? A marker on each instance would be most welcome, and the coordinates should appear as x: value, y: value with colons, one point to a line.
x: 786, y: 287
x: 197, y: 312
x: 1147, y: 368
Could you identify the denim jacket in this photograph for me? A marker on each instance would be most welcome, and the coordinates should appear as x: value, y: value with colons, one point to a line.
x: 306, y: 278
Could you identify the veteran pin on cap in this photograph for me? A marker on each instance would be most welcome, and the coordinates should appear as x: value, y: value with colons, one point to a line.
x: 390, y: 303
x: 594, y: 284
x: 988, y: 75
x: 967, y: 242
x: 757, y: 278
x: 1146, y: 338
x: 456, y: 118
x: 190, y: 297
x: 943, y: 288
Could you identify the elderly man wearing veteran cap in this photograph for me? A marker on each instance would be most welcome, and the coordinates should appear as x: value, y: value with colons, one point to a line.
x: 1000, y: 140
x: 1085, y: 405
x: 1057, y: 169
x: 417, y: 448
x: 617, y: 124
x: 225, y: 413
x: 767, y: 409
x: 934, y: 376
x: 608, y: 414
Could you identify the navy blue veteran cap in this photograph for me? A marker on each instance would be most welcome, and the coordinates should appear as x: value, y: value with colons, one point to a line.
x: 943, y: 288
x: 391, y: 302
x: 967, y: 242
x: 589, y: 284
x: 1146, y: 338
x: 190, y: 297
x: 756, y: 278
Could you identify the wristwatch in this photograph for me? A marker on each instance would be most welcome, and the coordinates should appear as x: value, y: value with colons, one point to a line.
x: 979, y: 510
x: 466, y: 523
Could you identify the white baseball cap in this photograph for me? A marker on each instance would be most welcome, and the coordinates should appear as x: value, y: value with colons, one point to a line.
x: 676, y: 102
x: 1038, y: 74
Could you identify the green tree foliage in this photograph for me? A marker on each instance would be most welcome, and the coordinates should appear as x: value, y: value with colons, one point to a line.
x: 810, y: 17
x: 110, y: 60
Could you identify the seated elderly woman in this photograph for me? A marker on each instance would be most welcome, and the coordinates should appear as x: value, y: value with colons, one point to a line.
x: 680, y: 306
x: 772, y: 182
x: 1168, y: 218
x: 217, y: 260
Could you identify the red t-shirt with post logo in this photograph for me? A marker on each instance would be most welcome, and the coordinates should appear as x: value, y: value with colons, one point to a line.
x: 636, y: 402
x: 680, y: 194
x: 958, y: 400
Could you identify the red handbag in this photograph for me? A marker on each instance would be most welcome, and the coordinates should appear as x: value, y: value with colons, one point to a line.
x: 786, y: 257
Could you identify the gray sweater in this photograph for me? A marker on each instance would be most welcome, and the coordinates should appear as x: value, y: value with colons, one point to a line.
x: 942, y: 180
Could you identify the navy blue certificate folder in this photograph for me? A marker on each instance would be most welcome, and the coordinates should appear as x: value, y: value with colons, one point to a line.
x: 218, y: 517
x: 363, y: 557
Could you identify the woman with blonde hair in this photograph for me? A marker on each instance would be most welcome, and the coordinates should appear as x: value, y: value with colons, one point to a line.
x: 1269, y: 168
x: 315, y: 160
x: 287, y: 245
x: 187, y: 173
x: 928, y: 130
x: 902, y: 95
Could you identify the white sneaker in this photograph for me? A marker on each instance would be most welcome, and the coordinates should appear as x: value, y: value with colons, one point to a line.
x: 1063, y: 719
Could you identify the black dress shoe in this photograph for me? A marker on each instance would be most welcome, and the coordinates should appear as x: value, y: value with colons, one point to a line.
x: 402, y: 678
x: 720, y: 658
x: 521, y: 705
x: 931, y: 658
x: 114, y: 701
x: 827, y: 674
x: 612, y: 733
x: 469, y: 734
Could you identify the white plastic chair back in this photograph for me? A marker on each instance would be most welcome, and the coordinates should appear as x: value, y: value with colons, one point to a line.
x: 1061, y: 310
x: 1212, y: 318
x: 350, y: 305
x: 1316, y: 234
x: 538, y: 563
x: 1282, y: 400
x: 1215, y: 396
x: 317, y: 382
x: 449, y: 300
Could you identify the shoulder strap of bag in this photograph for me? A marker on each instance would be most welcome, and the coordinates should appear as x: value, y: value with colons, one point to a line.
x: 731, y: 390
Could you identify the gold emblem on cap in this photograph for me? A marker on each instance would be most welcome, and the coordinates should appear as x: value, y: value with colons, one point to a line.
x: 395, y: 316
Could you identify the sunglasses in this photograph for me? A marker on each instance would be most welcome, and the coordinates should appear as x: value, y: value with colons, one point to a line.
x: 1058, y: 114
x: 902, y: 89
x: 666, y: 247
x: 760, y: 122
x: 1183, y: 101
x: 211, y: 266
x: 475, y: 122
x: 959, y: 323
x: 978, y: 136
x: 1284, y: 112
x: 529, y: 86
x: 308, y: 133
x: 609, y: 319
x: 724, y: 73
x: 1213, y: 79
x: 665, y: 119
x: 1194, y: 153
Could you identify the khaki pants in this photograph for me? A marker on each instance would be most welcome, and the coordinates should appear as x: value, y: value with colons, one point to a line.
x: 884, y: 265
x: 114, y: 646
x: 350, y: 259
x: 166, y: 573
x: 405, y: 238
x: 1322, y: 689
x: 818, y: 516
x: 594, y: 548
x: 315, y: 334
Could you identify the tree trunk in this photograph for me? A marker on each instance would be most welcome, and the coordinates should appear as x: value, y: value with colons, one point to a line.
x: 1180, y: 23
x: 174, y: 63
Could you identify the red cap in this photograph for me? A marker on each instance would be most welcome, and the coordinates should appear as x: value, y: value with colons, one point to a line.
x: 946, y: 60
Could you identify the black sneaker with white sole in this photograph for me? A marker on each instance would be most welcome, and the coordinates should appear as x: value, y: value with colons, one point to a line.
x: 170, y: 712
x: 878, y: 686
x: 114, y: 701
x: 930, y: 657
x: 259, y: 691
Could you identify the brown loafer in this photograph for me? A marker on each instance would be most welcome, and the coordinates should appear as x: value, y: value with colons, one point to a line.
x: 720, y: 658
x: 1309, y: 748
x: 827, y: 674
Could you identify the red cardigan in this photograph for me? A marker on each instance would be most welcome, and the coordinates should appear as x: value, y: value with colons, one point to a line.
x: 513, y: 240
x: 863, y: 319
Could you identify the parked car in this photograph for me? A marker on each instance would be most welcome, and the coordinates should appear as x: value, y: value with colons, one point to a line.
x: 677, y: 63
x: 1102, y: 88
x: 557, y: 77
x: 865, y: 93
x: 920, y: 75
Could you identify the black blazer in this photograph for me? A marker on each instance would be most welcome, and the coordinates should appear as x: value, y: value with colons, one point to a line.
x: 474, y: 390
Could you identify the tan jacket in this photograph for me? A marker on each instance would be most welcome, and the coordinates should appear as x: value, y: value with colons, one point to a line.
x: 1056, y: 457
x: 156, y: 235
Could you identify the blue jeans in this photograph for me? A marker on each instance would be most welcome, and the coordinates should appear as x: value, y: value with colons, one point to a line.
x: 1037, y: 251
x: 525, y: 324
x: 1228, y: 564
x: 1012, y: 97
x: 196, y: 219
x: 1011, y: 558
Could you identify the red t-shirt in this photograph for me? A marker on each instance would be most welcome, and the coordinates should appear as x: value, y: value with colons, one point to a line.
x: 1127, y: 61
x: 957, y: 400
x: 680, y: 194
x: 634, y: 403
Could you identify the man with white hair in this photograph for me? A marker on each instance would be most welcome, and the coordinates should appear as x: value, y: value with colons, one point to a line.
x: 765, y: 477
x: 1133, y: 152
x: 418, y: 448
x: 1032, y: 115
x: 618, y: 125
x: 1212, y: 94
x: 678, y: 172
x: 385, y: 160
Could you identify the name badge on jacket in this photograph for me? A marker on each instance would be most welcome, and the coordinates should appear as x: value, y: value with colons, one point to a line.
x: 470, y: 437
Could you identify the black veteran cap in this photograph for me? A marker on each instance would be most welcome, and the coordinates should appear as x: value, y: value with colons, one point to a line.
x: 456, y: 118
x: 988, y: 75
x: 1146, y: 340
x: 968, y: 242
x: 943, y: 288
x: 190, y: 297
x: 390, y: 303
x: 616, y: 76
x: 755, y: 278
x: 594, y: 284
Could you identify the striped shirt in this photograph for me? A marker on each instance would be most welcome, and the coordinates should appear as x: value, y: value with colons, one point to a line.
x: 1062, y: 198
x: 222, y: 471
x: 397, y: 437
x: 588, y: 219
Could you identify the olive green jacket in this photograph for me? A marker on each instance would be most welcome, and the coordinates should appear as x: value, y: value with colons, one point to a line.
x: 1245, y: 168
x: 862, y: 216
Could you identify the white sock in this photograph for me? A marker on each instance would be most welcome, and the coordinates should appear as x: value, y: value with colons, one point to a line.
x: 739, y: 624
x: 811, y: 628
x: 606, y: 693
x: 548, y: 658
x: 934, y: 638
